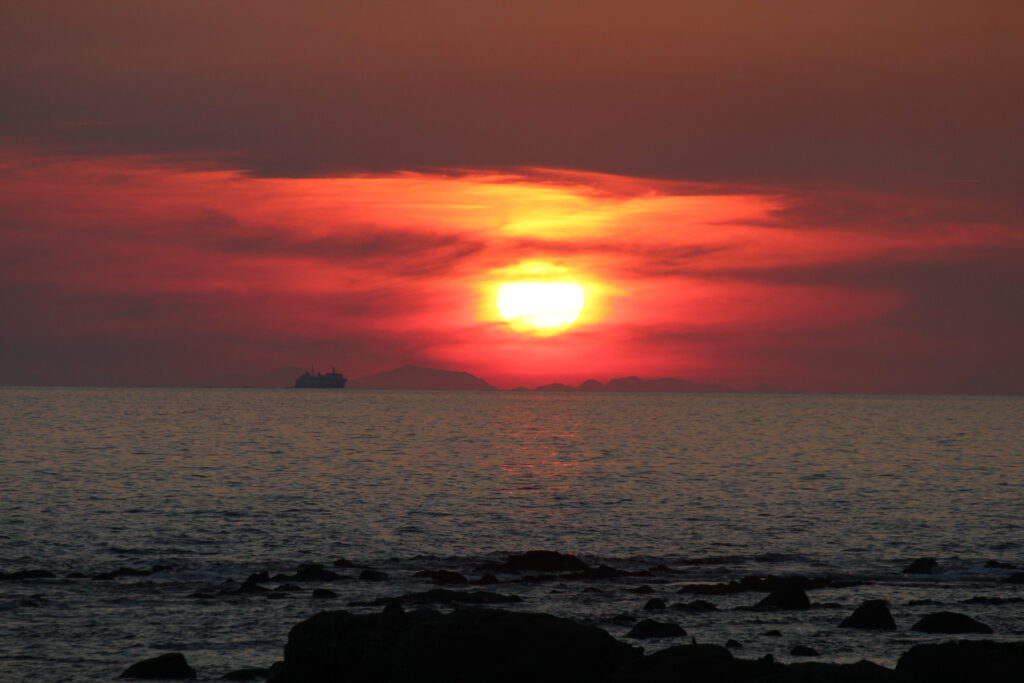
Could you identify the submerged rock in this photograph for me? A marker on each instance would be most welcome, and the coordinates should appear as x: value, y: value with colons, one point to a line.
x: 872, y: 614
x: 922, y: 565
x: 963, y: 661
x: 167, y: 666
x: 804, y: 651
x: 949, y: 622
x: 466, y: 646
x: 324, y: 593
x: 372, y: 575
x: 649, y: 628
x: 654, y: 605
x: 27, y: 574
x: 996, y: 564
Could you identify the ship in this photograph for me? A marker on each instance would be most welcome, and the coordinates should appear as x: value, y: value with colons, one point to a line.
x: 321, y: 380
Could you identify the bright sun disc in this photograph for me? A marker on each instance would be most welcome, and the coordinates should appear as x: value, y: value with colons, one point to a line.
x: 540, y: 308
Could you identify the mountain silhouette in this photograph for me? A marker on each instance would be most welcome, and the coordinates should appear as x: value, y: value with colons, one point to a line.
x: 665, y: 384
x: 415, y: 377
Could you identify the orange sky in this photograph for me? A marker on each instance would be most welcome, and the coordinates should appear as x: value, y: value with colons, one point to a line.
x: 161, y: 270
x: 815, y: 195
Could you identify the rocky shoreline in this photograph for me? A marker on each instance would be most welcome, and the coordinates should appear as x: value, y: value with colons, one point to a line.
x: 489, y: 621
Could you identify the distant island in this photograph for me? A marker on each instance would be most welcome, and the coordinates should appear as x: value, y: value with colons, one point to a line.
x: 415, y: 377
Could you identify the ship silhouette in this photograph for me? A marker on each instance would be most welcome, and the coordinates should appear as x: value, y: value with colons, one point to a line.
x: 320, y: 380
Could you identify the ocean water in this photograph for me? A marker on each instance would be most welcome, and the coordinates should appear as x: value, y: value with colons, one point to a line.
x: 218, y: 484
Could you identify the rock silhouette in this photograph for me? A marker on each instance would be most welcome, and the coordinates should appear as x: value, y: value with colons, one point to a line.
x: 949, y: 622
x: 961, y: 661
x: 415, y: 377
x: 466, y: 646
x: 872, y: 614
x: 787, y: 598
x: 648, y: 628
x: 167, y: 666
x: 923, y: 565
x: 538, y: 561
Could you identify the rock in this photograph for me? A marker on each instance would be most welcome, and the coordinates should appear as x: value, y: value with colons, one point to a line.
x: 733, y: 644
x: 486, y: 580
x: 654, y: 605
x: 960, y: 661
x: 343, y: 563
x: 443, y: 577
x: 643, y: 590
x: 76, y: 575
x: 443, y: 596
x: 288, y: 588
x: 923, y: 603
x: 861, y: 672
x: 465, y: 646
x: 648, y: 628
x: 27, y: 574
x: 985, y: 600
x: 663, y: 569
x: 949, y: 622
x: 922, y: 565
x: 314, y: 572
x: 697, y: 664
x: 167, y: 666
x: 253, y: 674
x: 324, y: 593
x: 872, y: 614
x: 774, y: 633
x: 372, y: 575
x: 804, y: 651
x: 996, y: 564
x: 259, y: 577
x: 538, y: 561
x: 695, y: 606
x: 786, y: 598
x: 1017, y: 578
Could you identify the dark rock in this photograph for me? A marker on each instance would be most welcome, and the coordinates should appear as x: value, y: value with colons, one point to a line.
x: 104, y: 576
x: 254, y: 674
x: 804, y: 651
x: 654, y: 605
x: 643, y: 590
x: 949, y: 622
x: 695, y: 606
x: 259, y: 577
x: 767, y: 584
x: 171, y: 665
x: 538, y: 561
x: 923, y: 603
x: 696, y: 664
x: 774, y: 633
x: 76, y: 575
x: 922, y: 565
x: 288, y: 588
x: 324, y: 593
x: 486, y: 580
x: 663, y: 569
x: 964, y: 661
x: 372, y: 575
x: 985, y: 600
x: 733, y: 644
x: 861, y: 672
x: 248, y: 587
x: 786, y: 598
x: 872, y: 614
x: 466, y: 646
x: 996, y: 564
x: 314, y: 572
x: 343, y: 563
x: 1017, y: 578
x: 443, y: 596
x: 648, y: 628
x: 27, y: 574
x: 604, y: 572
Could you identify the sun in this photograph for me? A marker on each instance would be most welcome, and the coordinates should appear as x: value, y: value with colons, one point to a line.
x: 541, y: 309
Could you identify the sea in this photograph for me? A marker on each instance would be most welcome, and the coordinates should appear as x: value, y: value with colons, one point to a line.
x: 212, y: 485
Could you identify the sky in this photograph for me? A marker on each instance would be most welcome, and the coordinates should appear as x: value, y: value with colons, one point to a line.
x: 801, y: 195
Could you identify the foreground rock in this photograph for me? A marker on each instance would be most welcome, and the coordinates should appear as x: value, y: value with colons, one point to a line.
x: 949, y: 622
x: 786, y: 598
x: 171, y: 666
x: 251, y: 674
x: 465, y: 646
x: 964, y: 661
x: 649, y: 628
x: 872, y: 614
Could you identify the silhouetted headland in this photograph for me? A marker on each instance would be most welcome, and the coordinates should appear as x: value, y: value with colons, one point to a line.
x: 415, y: 377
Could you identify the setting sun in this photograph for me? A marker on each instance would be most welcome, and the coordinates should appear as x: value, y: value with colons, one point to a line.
x: 540, y: 308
